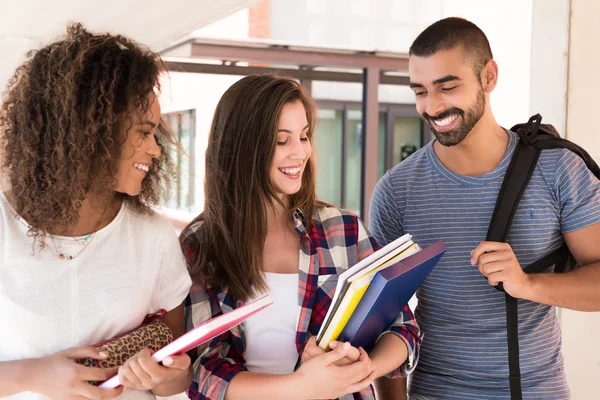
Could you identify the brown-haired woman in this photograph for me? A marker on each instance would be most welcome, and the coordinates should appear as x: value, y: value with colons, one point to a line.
x: 83, y: 257
x: 263, y: 230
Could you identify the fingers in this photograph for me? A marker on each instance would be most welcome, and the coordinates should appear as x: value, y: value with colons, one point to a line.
x: 76, y: 353
x: 497, y: 277
x: 360, y: 369
x: 179, y: 362
x: 491, y: 268
x: 487, y: 247
x: 144, y: 373
x: 363, y: 355
x: 358, y: 386
x: 148, y: 377
x: 336, y: 354
x: 128, y: 378
x: 496, y: 258
x: 352, y: 354
x: 312, y: 348
x: 500, y: 255
x: 95, y: 393
x: 96, y: 374
x: 133, y: 375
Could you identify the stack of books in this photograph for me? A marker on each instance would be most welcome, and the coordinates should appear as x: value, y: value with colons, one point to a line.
x: 370, y: 295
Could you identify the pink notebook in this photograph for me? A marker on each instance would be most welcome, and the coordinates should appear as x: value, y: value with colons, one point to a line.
x: 203, y: 333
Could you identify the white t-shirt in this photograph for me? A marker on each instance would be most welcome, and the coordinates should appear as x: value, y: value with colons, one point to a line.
x: 271, y: 334
x: 130, y: 268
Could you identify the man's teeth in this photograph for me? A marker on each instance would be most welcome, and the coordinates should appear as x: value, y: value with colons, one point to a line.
x: 446, y: 121
x: 141, y: 167
x: 290, y: 171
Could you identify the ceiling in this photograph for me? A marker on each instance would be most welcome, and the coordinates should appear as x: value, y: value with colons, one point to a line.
x: 27, y: 24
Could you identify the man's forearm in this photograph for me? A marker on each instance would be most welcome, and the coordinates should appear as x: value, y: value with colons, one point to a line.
x: 390, y: 352
x: 576, y: 290
x: 390, y: 389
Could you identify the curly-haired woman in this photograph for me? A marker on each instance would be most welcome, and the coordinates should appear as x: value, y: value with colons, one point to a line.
x: 83, y: 258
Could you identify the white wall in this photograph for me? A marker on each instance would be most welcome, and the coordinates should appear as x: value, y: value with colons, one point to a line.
x: 549, y: 61
x: 583, y: 76
x: 29, y: 24
x: 581, y: 331
x: 507, y: 24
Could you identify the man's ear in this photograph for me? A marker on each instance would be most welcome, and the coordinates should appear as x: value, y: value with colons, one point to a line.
x: 489, y: 76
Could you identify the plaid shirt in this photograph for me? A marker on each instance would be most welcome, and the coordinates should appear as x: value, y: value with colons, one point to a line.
x: 336, y: 241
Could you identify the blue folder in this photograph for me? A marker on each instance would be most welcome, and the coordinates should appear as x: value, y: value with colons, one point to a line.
x: 388, y: 293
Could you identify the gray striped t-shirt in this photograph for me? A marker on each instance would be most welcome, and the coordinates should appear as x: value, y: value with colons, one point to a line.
x: 463, y: 318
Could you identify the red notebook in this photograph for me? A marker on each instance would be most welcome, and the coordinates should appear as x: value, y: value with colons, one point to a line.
x: 203, y: 333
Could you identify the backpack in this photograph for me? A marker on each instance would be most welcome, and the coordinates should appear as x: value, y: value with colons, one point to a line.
x: 534, y: 137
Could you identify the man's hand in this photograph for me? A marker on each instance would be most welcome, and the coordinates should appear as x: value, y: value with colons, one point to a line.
x: 498, y: 263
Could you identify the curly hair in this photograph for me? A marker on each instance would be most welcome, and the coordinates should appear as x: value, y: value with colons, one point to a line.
x: 64, y: 117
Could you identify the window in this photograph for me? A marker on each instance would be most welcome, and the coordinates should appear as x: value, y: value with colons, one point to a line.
x: 183, y: 126
x: 338, y: 147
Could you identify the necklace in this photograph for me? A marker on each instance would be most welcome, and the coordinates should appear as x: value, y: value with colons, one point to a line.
x: 85, y: 241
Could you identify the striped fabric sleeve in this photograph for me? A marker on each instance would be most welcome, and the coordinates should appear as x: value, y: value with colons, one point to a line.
x: 385, y: 221
x: 578, y: 193
x: 405, y: 326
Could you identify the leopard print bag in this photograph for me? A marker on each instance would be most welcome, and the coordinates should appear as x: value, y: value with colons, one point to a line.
x: 153, y: 334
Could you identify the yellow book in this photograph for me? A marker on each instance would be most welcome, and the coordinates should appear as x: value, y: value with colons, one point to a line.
x: 355, y: 292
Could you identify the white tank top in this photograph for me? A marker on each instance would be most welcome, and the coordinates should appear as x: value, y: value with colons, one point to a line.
x: 271, y: 334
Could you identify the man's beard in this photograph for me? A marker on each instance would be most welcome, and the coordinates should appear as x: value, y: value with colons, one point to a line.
x: 468, y: 121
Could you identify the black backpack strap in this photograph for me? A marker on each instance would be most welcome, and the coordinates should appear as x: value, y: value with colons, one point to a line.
x: 560, y: 258
x: 533, y: 138
x: 515, y: 181
x: 512, y: 335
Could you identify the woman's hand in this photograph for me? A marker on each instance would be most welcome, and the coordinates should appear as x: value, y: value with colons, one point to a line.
x: 321, y: 378
x: 59, y: 377
x: 143, y: 373
x: 312, y: 350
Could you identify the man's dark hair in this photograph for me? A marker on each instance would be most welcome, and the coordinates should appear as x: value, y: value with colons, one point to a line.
x: 449, y: 33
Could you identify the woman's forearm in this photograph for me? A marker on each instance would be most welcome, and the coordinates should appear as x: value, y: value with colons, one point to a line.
x: 249, y: 386
x: 13, y: 377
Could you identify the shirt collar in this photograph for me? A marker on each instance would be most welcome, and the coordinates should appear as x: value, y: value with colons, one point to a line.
x: 299, y: 222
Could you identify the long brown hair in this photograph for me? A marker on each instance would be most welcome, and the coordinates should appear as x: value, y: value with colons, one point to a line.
x: 64, y: 118
x: 238, y: 190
